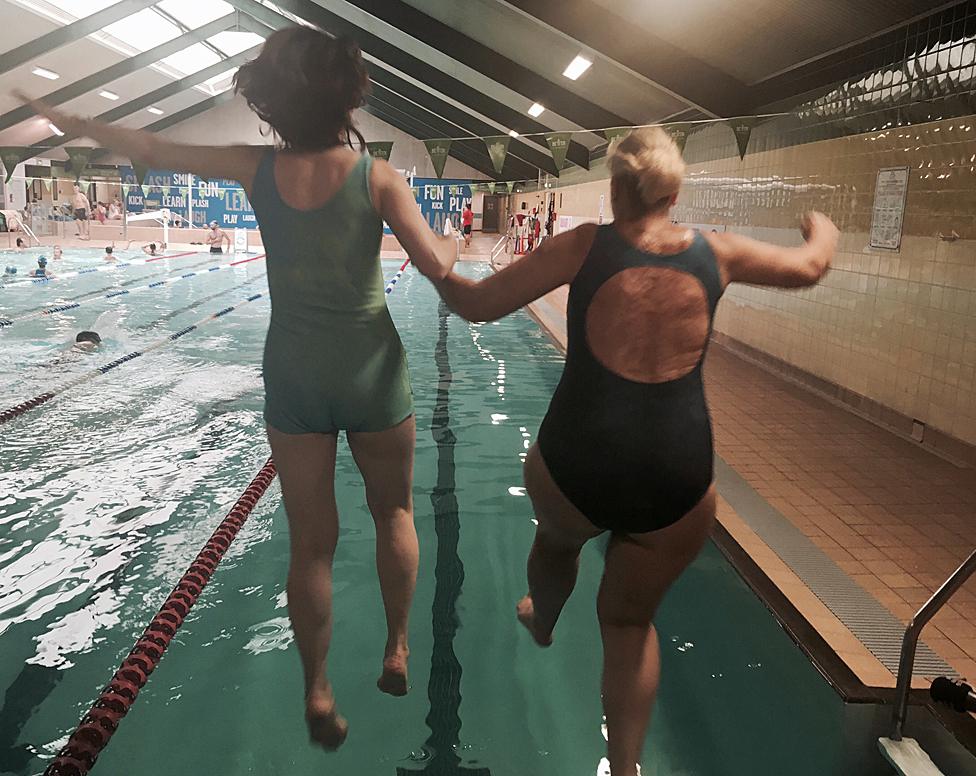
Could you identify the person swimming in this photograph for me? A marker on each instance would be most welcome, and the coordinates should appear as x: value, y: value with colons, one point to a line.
x: 333, y: 360
x: 153, y: 250
x: 626, y: 445
x: 57, y: 254
x: 20, y: 246
x: 87, y: 341
x: 41, y: 271
x: 109, y: 253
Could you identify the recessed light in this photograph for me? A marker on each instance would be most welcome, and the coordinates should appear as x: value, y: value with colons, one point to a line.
x: 108, y: 95
x: 512, y: 133
x: 55, y: 130
x: 50, y: 75
x: 154, y: 110
x: 536, y: 110
x: 577, y: 67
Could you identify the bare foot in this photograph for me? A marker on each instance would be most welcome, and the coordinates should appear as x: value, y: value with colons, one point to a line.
x: 525, y: 610
x: 393, y: 681
x: 326, y: 726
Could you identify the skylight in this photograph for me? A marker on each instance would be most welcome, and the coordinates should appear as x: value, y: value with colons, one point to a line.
x: 231, y: 42
x: 192, y: 59
x: 143, y: 30
x: 195, y: 13
x: 43, y: 72
x: 220, y: 83
x: 536, y: 110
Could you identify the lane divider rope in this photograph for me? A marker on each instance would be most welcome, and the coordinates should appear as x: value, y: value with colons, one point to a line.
x: 60, y: 308
x: 105, y: 268
x: 392, y: 284
x: 96, y: 728
x: 24, y: 407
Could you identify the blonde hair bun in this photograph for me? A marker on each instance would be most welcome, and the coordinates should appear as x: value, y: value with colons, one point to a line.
x: 649, y: 162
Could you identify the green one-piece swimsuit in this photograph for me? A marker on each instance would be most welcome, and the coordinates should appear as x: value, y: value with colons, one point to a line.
x: 332, y: 359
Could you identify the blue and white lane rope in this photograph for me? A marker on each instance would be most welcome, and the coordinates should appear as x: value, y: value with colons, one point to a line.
x: 392, y: 284
x: 105, y: 268
x: 60, y: 308
x: 43, y: 398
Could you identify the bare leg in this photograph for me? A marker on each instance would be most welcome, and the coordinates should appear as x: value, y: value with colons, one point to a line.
x: 306, y: 466
x: 385, y: 459
x: 639, y: 570
x: 554, y: 558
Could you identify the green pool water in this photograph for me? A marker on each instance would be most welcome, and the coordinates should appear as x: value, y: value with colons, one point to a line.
x: 107, y: 494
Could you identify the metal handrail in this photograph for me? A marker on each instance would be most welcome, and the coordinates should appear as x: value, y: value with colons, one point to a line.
x: 906, y: 664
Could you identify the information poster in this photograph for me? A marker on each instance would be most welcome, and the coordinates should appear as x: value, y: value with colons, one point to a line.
x: 217, y: 200
x: 889, y: 207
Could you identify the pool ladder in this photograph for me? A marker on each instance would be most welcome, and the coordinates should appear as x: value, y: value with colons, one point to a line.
x: 905, y: 754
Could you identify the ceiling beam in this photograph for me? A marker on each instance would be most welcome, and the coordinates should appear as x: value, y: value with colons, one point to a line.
x: 476, y: 153
x: 120, y: 69
x: 482, y: 59
x: 157, y: 95
x: 671, y: 69
x: 70, y: 33
x: 425, y: 101
x: 392, y: 56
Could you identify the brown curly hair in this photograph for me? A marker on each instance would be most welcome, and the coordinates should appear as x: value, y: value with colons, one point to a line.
x: 305, y: 86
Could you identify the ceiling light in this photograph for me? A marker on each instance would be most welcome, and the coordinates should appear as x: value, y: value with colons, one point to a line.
x: 55, y: 130
x: 108, y: 95
x: 154, y: 110
x: 536, y: 110
x: 577, y: 67
x: 512, y: 133
x: 50, y: 75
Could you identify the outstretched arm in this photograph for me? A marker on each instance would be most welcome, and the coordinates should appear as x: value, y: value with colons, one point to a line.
x: 235, y: 162
x: 432, y: 254
x: 552, y: 264
x: 745, y: 260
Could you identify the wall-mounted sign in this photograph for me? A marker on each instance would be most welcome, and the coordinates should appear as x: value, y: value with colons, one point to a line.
x: 888, y: 214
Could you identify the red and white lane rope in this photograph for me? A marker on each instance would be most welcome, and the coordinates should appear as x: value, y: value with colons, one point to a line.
x: 60, y: 308
x: 106, y: 268
x: 96, y: 728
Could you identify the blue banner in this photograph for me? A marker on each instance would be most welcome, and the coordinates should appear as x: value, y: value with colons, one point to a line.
x: 441, y: 198
x: 217, y: 200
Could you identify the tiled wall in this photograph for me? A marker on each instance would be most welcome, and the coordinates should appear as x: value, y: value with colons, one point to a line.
x: 897, y: 327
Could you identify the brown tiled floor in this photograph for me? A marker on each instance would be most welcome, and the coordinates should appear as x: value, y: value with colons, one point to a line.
x: 895, y: 517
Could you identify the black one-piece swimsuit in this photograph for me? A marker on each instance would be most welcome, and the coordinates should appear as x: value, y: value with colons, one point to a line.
x: 632, y: 456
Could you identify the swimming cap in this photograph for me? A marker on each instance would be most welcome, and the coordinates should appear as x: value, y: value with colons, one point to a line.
x: 11, y: 270
x: 41, y: 261
x: 213, y: 223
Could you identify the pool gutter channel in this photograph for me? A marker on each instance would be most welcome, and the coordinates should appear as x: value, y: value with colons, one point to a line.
x: 877, y: 628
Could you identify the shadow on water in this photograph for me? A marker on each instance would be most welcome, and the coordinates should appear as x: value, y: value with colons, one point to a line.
x: 25, y: 694
x: 444, y: 686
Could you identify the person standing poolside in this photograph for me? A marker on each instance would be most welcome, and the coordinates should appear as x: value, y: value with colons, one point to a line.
x: 82, y: 208
x: 216, y: 238
x: 626, y: 446
x: 333, y: 360
x: 467, y: 223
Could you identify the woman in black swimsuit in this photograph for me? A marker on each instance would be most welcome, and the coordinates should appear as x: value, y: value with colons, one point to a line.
x: 626, y: 445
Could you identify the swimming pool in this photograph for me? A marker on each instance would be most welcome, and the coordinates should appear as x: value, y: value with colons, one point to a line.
x: 107, y: 493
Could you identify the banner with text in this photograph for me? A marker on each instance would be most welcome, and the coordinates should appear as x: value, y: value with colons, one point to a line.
x: 498, y: 150
x: 558, y: 146
x: 380, y: 149
x: 217, y: 199
x: 440, y: 199
x: 438, y: 150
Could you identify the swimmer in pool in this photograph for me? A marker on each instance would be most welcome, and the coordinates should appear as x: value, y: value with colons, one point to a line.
x: 626, y: 446
x: 154, y: 250
x: 20, y: 246
x: 333, y: 360
x: 57, y: 255
x: 41, y: 271
x: 109, y: 255
x: 87, y: 341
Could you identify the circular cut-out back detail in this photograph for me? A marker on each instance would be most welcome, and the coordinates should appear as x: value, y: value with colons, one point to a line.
x: 648, y: 324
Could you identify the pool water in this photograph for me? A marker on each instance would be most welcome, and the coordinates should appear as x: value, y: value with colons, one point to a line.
x: 108, y: 492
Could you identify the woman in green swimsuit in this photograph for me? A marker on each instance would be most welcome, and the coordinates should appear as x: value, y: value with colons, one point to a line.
x: 332, y: 360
